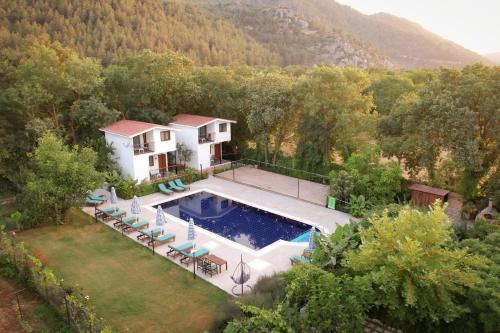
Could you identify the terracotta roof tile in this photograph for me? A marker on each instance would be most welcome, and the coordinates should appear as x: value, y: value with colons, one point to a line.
x: 130, y: 127
x: 192, y: 120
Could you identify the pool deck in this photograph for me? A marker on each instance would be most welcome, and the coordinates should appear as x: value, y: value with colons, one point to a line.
x: 271, y: 259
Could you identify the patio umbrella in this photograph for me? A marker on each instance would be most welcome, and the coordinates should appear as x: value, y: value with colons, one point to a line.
x: 312, y: 234
x: 160, y: 222
x: 160, y: 217
x: 191, y: 231
x: 114, y: 199
x: 191, y: 237
x: 135, y: 208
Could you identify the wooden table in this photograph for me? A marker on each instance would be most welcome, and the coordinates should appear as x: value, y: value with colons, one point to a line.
x: 216, y: 260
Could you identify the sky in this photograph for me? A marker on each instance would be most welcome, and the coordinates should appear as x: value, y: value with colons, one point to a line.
x: 474, y: 24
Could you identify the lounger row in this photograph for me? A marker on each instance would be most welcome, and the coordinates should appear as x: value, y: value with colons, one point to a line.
x: 174, y: 185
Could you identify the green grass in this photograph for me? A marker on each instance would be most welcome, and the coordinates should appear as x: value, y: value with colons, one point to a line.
x: 42, y: 318
x: 132, y: 289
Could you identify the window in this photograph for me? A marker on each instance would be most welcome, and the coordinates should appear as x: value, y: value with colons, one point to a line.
x: 223, y: 127
x: 165, y: 135
x: 151, y: 161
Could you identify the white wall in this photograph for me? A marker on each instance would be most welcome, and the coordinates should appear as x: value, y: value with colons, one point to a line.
x: 123, y: 153
x: 137, y: 166
x: 163, y: 146
x: 189, y: 137
x: 201, y: 151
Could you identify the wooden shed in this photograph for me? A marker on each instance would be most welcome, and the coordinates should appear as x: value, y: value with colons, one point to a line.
x: 423, y: 195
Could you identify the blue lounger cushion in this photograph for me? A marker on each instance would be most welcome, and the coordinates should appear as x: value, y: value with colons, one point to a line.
x: 164, y: 189
x: 299, y: 259
x: 175, y: 187
x: 179, y: 183
x: 138, y: 224
x: 164, y: 237
x: 96, y: 197
x: 118, y: 213
x: 196, y: 254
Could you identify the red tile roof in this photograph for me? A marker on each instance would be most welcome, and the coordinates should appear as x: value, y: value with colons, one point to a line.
x: 130, y: 127
x: 195, y: 120
x: 192, y: 120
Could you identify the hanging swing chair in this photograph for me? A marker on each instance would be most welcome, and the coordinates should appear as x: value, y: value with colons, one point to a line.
x: 240, y: 276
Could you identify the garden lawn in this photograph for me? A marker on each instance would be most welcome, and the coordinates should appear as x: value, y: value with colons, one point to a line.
x: 132, y: 289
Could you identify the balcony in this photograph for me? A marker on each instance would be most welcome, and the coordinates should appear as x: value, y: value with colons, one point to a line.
x: 209, y: 137
x: 145, y: 148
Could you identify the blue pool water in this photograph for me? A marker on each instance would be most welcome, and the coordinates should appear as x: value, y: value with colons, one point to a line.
x: 246, y: 225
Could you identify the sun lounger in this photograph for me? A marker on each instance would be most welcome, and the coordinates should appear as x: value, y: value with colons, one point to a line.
x: 145, y: 234
x: 163, y: 189
x: 298, y: 259
x: 187, y: 258
x: 90, y: 202
x: 307, y: 253
x: 136, y: 226
x: 122, y: 222
x: 175, y: 250
x: 175, y: 187
x: 100, y: 212
x: 97, y: 198
x: 114, y: 215
x: 161, y: 239
x: 179, y: 183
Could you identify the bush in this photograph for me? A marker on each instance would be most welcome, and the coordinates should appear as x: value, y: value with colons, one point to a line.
x: 146, y: 188
x: 363, y: 175
x: 191, y: 176
x: 267, y: 293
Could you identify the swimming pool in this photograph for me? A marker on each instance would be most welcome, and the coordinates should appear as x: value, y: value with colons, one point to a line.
x: 241, y: 223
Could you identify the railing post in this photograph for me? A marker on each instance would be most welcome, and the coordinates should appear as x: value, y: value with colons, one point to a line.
x: 298, y: 188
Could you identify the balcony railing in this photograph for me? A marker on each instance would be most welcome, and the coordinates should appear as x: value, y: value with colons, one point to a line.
x: 209, y: 137
x: 143, y: 148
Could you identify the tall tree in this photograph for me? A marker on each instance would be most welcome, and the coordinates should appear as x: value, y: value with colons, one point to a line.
x: 60, y: 179
x: 270, y: 115
x: 335, y: 113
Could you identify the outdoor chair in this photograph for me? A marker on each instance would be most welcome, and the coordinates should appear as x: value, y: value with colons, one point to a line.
x: 136, y: 226
x: 114, y: 215
x: 174, y: 187
x: 121, y: 222
x: 97, y: 197
x: 179, y: 183
x: 163, y: 189
x: 187, y: 258
x: 161, y: 239
x: 207, y: 267
x: 176, y: 250
x: 148, y: 233
x: 298, y: 259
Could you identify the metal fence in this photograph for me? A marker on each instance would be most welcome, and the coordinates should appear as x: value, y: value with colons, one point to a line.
x: 301, y: 184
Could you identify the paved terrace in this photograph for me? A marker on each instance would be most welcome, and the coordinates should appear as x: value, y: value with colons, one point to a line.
x: 273, y: 258
x: 291, y: 186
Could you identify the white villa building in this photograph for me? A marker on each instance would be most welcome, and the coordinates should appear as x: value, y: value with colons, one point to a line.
x: 142, y: 150
x: 204, y: 136
x: 148, y: 151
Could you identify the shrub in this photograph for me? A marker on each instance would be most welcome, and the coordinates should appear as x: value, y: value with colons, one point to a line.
x: 146, y: 188
x: 191, y: 176
x: 266, y: 293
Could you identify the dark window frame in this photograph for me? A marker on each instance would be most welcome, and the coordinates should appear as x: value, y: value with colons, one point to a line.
x: 162, y: 137
x: 151, y: 159
x: 223, y: 128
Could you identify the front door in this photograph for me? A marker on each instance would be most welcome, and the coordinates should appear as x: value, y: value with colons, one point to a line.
x: 162, y: 162
x: 218, y: 154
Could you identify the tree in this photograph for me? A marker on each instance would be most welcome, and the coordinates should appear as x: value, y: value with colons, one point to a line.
x: 417, y: 277
x: 269, y: 110
x: 60, y: 179
x: 184, y: 153
x: 334, y: 114
x: 388, y: 90
x: 366, y: 176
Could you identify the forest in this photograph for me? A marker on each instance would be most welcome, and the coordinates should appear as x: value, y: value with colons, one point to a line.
x: 370, y: 130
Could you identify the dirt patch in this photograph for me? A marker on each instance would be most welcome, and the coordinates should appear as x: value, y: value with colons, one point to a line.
x: 8, y: 318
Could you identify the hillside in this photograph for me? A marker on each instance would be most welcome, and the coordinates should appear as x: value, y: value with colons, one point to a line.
x: 380, y: 36
x: 112, y: 29
x: 223, y: 32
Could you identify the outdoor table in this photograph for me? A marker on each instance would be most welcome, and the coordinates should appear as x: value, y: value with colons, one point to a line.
x: 216, y: 260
